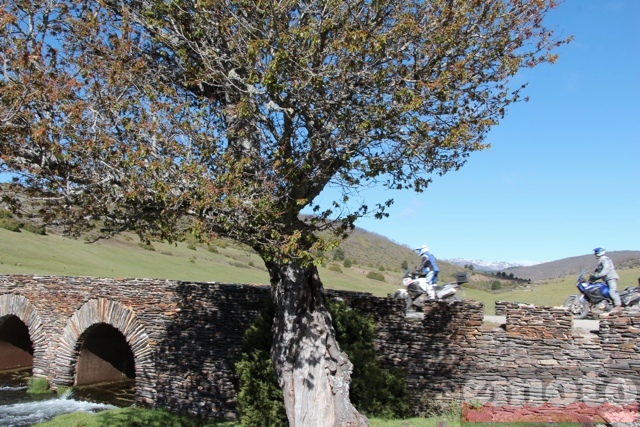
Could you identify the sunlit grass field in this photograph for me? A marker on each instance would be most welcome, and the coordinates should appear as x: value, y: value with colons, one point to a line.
x: 130, y: 417
x: 122, y: 257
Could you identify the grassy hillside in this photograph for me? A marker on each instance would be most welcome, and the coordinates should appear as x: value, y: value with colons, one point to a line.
x: 28, y: 253
x: 573, y: 265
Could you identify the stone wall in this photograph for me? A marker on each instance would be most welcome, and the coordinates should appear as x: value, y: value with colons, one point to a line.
x: 435, y: 350
x: 539, y: 359
x: 184, y: 337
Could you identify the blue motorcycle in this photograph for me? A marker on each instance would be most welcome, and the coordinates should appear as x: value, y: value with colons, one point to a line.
x: 596, y: 294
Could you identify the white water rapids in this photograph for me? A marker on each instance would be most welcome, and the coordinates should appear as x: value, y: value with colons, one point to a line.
x: 17, y: 409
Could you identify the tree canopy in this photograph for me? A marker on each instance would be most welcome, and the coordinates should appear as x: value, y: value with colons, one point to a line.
x: 239, y: 113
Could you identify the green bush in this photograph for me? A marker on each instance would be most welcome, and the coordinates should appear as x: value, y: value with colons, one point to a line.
x: 260, y: 399
x: 347, y: 263
x: 374, y: 391
x: 38, y: 386
x: 375, y: 276
x: 334, y: 267
x: 239, y: 264
x: 5, y: 214
x: 10, y: 224
x: 35, y: 229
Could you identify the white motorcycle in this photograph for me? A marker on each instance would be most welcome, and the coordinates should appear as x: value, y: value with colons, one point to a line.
x: 419, y: 288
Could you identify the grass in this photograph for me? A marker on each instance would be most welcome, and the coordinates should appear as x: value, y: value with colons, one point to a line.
x: 28, y: 253
x: 130, y: 417
x: 551, y: 293
x: 38, y: 386
x: 139, y: 417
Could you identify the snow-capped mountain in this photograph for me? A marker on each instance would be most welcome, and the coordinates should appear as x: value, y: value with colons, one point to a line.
x: 482, y: 265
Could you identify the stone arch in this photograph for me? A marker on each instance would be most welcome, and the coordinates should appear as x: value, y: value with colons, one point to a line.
x: 102, y: 310
x: 21, y: 307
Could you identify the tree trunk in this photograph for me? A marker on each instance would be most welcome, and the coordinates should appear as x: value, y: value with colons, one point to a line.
x: 312, y: 371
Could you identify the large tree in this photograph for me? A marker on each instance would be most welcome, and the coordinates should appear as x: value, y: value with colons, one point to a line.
x: 229, y: 118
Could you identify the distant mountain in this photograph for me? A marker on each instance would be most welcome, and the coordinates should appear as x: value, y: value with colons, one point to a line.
x: 481, y: 265
x: 573, y: 266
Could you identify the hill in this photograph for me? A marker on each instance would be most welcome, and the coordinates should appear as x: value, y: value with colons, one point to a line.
x: 31, y: 250
x: 573, y: 266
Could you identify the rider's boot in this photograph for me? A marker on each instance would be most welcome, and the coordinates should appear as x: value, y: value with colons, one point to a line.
x: 431, y: 292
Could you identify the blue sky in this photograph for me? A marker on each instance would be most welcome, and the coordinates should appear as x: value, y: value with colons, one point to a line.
x: 563, y: 173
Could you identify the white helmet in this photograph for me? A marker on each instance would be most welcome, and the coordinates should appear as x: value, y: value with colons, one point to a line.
x: 599, y: 252
x: 422, y: 250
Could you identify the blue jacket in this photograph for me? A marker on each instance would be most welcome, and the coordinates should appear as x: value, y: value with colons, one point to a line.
x: 429, y: 261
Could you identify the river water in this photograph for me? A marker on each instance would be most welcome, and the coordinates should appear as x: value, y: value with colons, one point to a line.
x: 21, y: 409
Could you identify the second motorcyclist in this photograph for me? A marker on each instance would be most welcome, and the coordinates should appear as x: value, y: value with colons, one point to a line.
x: 606, y: 271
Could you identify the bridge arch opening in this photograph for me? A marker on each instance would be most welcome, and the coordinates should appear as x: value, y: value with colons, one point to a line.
x: 104, y: 356
x: 16, y: 347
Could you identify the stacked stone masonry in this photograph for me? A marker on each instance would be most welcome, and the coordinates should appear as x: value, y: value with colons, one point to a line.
x: 184, y: 337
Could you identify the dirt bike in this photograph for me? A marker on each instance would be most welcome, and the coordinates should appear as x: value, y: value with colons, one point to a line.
x: 595, y: 296
x: 416, y: 283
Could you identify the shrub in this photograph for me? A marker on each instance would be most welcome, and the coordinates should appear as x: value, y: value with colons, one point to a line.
x: 495, y: 285
x: 260, y: 400
x: 191, y: 246
x: 347, y: 263
x: 5, y: 214
x: 374, y: 391
x: 239, y: 264
x: 38, y: 386
x: 375, y: 276
x: 35, y: 229
x: 147, y: 246
x: 334, y: 267
x: 10, y: 224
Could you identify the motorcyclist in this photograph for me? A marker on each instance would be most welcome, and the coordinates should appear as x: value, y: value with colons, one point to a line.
x: 429, y: 267
x: 606, y: 271
x: 429, y: 263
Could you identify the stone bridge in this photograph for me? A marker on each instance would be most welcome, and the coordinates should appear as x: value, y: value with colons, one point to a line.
x: 178, y: 341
